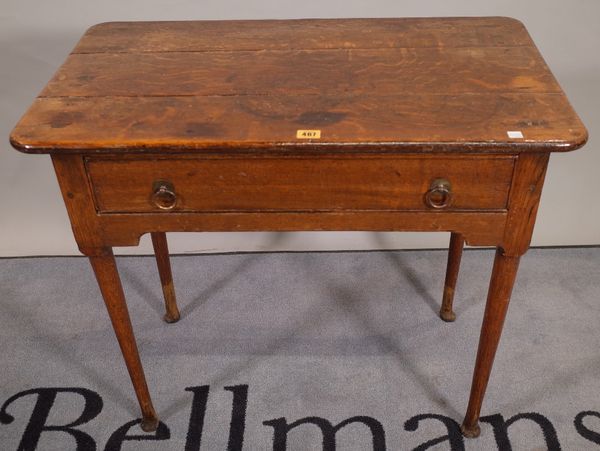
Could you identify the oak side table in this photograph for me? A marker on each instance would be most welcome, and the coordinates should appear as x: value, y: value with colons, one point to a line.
x: 437, y: 124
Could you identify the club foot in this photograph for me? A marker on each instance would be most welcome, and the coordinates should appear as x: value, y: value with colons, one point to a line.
x: 470, y: 432
x: 448, y: 316
x: 171, y: 318
x: 149, y: 424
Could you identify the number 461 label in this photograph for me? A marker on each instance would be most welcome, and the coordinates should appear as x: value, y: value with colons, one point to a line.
x: 308, y: 134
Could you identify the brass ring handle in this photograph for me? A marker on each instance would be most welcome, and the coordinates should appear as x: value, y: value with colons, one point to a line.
x: 163, y: 195
x: 439, y: 194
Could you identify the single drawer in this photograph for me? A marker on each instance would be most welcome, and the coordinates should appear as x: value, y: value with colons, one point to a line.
x: 226, y: 184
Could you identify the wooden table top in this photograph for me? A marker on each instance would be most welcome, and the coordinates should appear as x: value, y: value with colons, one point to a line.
x: 397, y: 85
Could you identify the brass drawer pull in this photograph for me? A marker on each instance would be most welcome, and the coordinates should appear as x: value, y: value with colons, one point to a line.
x: 163, y: 195
x: 439, y: 194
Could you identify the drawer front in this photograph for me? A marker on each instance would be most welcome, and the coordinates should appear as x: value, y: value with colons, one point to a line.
x: 194, y: 184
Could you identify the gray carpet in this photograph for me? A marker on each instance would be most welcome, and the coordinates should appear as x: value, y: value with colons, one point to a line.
x: 290, y: 336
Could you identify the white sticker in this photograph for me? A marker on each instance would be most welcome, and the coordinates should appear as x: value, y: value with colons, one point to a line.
x: 515, y: 134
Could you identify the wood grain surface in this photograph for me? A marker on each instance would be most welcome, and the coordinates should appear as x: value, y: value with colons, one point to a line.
x: 197, y: 36
x: 435, y: 85
x: 325, y: 72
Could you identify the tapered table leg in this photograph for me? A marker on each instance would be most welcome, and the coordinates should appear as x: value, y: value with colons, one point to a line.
x: 161, y: 251
x: 454, y: 255
x: 107, y: 275
x: 501, y: 284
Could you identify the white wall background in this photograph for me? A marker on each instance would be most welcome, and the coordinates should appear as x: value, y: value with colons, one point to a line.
x: 36, y: 36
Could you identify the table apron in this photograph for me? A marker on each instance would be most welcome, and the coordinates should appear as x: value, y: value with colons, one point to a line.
x: 481, y: 229
x: 509, y: 225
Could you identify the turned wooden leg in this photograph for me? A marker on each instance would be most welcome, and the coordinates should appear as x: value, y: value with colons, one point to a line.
x: 501, y: 284
x: 454, y: 255
x: 161, y: 251
x: 105, y: 269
